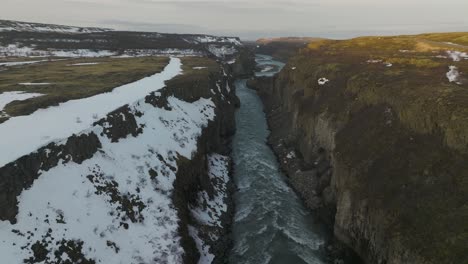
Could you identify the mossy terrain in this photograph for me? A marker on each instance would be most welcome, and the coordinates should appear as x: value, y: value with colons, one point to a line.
x: 400, y: 140
x: 406, y: 72
x: 68, y: 82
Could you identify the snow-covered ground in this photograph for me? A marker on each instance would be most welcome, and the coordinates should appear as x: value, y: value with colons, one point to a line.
x: 88, y: 203
x: 60, y: 122
x: 16, y: 50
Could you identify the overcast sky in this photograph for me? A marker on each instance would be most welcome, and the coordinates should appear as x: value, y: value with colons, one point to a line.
x: 250, y: 19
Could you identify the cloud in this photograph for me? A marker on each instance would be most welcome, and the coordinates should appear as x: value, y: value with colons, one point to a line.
x: 253, y: 18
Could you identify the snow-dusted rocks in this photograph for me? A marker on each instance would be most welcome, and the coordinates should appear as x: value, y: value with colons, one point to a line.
x: 210, y: 210
x: 457, y: 55
x: 322, y: 81
x: 213, y: 39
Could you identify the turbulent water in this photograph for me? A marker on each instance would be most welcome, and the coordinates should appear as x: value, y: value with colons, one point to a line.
x: 271, y: 224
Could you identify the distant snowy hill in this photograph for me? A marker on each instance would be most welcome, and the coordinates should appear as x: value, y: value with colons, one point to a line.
x: 8, y: 25
x: 22, y: 39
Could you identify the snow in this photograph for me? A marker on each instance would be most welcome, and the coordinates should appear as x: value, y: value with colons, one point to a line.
x: 212, y: 39
x: 374, y: 61
x: 457, y: 55
x: 205, y: 256
x: 453, y: 75
x: 222, y: 51
x: 32, y: 27
x: 8, y: 97
x: 25, y: 51
x: 33, y: 84
x: 199, y: 68
x: 60, y: 121
x: 291, y: 155
x: 322, y: 81
x: 293, y: 68
x: 16, y: 63
x: 95, y: 218
x: 14, y: 50
x: 84, y: 64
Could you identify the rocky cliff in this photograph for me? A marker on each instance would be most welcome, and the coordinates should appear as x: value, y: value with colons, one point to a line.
x: 148, y: 183
x: 373, y: 135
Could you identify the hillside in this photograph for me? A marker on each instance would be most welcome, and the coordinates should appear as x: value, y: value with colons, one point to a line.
x: 18, y: 26
x: 379, y: 127
x: 21, y: 39
x: 115, y: 152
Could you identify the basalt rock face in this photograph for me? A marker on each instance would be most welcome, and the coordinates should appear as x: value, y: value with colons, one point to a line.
x: 390, y: 179
x: 191, y: 175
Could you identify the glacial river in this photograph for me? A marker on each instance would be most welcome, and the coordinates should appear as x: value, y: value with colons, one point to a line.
x: 271, y: 224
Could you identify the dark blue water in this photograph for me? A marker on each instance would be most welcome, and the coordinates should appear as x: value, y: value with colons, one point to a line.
x: 271, y: 224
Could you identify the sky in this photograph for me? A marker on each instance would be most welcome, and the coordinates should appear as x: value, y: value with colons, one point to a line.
x: 250, y: 19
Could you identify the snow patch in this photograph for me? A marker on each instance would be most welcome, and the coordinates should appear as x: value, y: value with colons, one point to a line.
x: 291, y: 155
x: 322, y: 81
x: 453, y: 75
x: 84, y: 64
x: 457, y: 55
x: 34, y: 84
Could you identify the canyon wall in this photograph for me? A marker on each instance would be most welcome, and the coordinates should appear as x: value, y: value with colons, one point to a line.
x: 380, y: 152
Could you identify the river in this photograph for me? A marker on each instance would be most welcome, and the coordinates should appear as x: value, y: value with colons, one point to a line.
x: 271, y: 224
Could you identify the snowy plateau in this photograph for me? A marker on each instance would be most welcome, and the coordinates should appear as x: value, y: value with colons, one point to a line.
x: 115, y: 206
